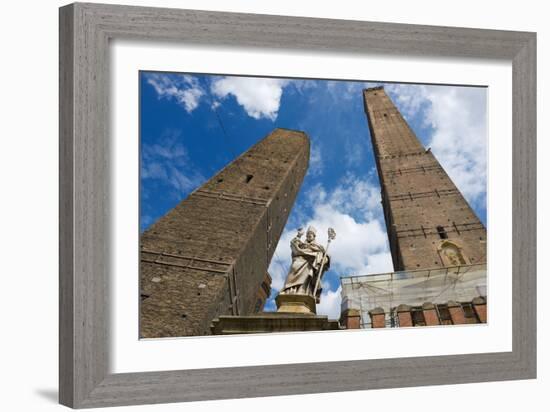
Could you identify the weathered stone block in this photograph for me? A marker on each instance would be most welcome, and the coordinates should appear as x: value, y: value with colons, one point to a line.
x: 269, y: 322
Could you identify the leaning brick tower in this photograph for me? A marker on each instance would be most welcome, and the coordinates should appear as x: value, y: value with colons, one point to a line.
x: 209, y: 255
x: 429, y: 223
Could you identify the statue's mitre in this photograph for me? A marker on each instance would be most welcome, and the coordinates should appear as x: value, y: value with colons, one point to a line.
x: 312, y: 230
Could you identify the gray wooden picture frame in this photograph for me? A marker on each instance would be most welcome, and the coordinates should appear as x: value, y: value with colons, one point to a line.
x: 85, y: 31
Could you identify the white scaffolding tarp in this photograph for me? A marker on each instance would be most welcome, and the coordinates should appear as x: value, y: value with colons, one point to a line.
x: 413, y: 288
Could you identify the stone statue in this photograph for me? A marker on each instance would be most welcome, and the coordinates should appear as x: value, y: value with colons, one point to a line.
x: 309, y: 262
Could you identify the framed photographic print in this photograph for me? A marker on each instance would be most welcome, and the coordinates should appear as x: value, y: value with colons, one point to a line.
x: 235, y: 185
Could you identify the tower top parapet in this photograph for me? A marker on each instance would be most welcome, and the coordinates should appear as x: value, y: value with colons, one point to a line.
x: 368, y: 89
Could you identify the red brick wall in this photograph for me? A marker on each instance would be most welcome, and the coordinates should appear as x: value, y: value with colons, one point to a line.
x: 378, y: 318
x: 431, y: 315
x: 457, y: 313
x: 404, y: 316
x: 351, y: 319
x: 480, y: 307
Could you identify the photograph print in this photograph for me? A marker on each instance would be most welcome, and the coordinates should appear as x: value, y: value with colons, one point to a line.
x: 297, y: 205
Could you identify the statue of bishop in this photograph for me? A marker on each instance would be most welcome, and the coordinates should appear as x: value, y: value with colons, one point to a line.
x: 309, y: 263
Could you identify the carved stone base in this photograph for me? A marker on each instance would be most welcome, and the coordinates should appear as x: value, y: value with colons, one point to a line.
x: 295, y: 304
x: 268, y: 322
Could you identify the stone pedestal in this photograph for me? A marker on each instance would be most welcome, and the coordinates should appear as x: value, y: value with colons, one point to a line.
x: 295, y: 313
x: 268, y: 322
x: 296, y: 304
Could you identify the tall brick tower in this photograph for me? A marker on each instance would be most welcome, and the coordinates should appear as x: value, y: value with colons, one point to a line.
x: 209, y: 255
x: 429, y: 222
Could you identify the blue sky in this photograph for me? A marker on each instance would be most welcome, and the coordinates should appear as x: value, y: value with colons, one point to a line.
x: 193, y: 125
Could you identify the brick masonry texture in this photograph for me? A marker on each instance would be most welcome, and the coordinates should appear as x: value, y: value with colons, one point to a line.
x: 450, y: 313
x: 429, y: 222
x: 209, y: 255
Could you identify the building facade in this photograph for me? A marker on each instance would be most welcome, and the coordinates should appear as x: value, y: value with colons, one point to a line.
x: 437, y: 243
x: 209, y: 255
x: 424, y: 297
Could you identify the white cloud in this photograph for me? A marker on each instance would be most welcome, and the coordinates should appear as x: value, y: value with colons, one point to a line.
x: 184, y: 182
x: 168, y: 162
x: 460, y: 138
x: 330, y: 303
x: 315, y: 161
x: 357, y: 197
x: 278, y: 269
x: 184, y: 89
x: 153, y: 170
x: 355, y: 243
x: 345, y: 91
x: 260, y: 97
x: 355, y: 153
x: 303, y: 86
x: 458, y: 117
x: 409, y: 98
